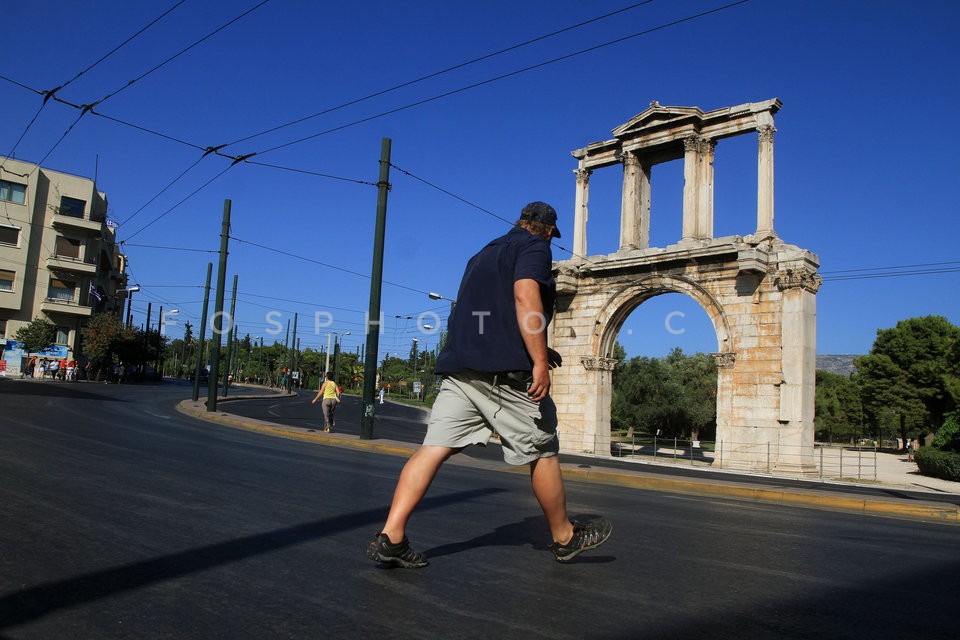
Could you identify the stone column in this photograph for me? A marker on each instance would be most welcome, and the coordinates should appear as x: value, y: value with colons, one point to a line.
x: 596, y: 428
x: 644, y: 207
x: 630, y: 203
x: 580, y: 213
x: 704, y: 224
x: 691, y: 186
x: 765, y: 180
x: 797, y: 399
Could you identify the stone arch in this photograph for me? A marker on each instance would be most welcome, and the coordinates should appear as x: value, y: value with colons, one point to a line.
x: 629, y: 297
x: 759, y: 292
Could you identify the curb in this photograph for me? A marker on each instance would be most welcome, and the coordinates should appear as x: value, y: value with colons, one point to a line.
x: 926, y: 511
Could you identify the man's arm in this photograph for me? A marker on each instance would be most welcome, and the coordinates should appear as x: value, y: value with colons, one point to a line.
x: 530, y: 317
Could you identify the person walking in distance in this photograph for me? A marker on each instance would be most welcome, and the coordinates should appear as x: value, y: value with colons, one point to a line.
x: 496, y: 378
x: 331, y: 398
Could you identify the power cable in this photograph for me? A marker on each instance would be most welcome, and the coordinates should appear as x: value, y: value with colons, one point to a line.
x: 121, y: 45
x: 51, y: 93
x: 178, y: 54
x: 170, y: 184
x: 478, y: 207
x: 325, y: 264
x: 505, y: 76
x: 193, y: 193
x: 434, y: 74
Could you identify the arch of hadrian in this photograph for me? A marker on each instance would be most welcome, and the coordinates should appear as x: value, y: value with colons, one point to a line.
x: 759, y: 292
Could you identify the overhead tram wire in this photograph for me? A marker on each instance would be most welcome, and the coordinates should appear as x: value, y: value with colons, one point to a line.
x: 245, y: 158
x: 505, y: 76
x: 121, y: 45
x: 161, y: 192
x: 48, y: 94
x: 89, y: 108
x: 435, y: 74
x: 178, y: 54
x: 192, y: 193
x: 325, y: 264
x: 478, y: 207
x: 152, y: 246
x: 907, y: 266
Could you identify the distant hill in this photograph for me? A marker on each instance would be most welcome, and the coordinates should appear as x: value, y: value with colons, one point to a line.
x: 841, y: 364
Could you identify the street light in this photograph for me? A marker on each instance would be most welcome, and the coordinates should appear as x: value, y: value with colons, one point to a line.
x: 336, y: 348
x: 130, y: 291
x: 163, y: 319
x: 162, y: 326
x: 260, y: 362
x: 436, y: 296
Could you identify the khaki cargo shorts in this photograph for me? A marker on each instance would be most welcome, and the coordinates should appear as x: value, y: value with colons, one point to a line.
x: 471, y: 406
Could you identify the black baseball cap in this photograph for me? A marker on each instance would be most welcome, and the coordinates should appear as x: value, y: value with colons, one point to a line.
x: 541, y: 212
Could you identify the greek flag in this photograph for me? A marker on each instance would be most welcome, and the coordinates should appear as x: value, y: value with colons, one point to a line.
x: 95, y: 294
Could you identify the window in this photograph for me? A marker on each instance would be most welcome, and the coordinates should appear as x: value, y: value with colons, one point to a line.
x: 13, y: 192
x: 7, y: 278
x: 9, y: 235
x: 71, y: 207
x: 63, y: 334
x: 68, y: 248
x: 61, y: 290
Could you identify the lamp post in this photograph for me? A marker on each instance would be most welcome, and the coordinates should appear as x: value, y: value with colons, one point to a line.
x: 436, y: 296
x: 130, y: 291
x: 336, y: 349
x: 161, y: 334
x: 260, y: 361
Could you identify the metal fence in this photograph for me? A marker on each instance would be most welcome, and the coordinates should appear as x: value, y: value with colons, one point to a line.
x: 851, y: 462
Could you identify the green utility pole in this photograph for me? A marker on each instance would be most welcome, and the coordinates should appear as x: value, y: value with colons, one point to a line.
x: 146, y: 343
x: 233, y: 307
x: 218, y: 310
x: 202, y: 336
x: 376, y: 282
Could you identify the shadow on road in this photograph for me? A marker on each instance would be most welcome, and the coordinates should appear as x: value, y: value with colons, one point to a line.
x: 35, y: 602
x: 52, y: 389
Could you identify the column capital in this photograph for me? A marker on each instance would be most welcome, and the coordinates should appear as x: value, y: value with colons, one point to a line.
x: 765, y: 132
x: 583, y: 175
x: 798, y: 278
x: 698, y: 144
x: 630, y: 159
x: 598, y: 363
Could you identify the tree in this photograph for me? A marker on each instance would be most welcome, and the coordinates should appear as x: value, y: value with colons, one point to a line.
x: 911, y: 372
x: 37, y: 335
x: 104, y: 335
x: 674, y: 396
x: 839, y: 412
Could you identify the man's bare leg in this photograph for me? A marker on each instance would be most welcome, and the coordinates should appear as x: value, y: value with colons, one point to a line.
x: 414, y: 481
x: 547, y: 481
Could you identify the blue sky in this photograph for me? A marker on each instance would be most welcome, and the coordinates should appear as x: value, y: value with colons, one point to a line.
x: 865, y: 144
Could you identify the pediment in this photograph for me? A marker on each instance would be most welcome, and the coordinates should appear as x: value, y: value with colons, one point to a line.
x: 656, y: 116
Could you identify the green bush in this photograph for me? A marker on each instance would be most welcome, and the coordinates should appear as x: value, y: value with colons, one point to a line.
x: 948, y: 437
x: 938, y: 464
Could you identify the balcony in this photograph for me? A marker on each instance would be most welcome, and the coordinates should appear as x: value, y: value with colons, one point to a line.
x: 73, y: 265
x: 68, y: 307
x: 90, y: 225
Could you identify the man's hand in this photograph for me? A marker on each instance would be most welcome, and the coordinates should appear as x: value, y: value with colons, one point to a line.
x: 540, y: 387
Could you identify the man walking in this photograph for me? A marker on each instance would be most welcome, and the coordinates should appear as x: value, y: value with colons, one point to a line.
x: 496, y: 368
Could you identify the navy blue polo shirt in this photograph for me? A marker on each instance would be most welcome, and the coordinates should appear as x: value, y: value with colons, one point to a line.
x: 484, y: 334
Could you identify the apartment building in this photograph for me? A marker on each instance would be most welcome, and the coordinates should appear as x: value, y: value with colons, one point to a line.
x: 59, y: 259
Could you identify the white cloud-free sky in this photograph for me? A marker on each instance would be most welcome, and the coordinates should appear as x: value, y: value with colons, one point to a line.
x: 865, y: 143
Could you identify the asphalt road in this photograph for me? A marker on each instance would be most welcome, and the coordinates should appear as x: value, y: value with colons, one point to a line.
x: 121, y: 518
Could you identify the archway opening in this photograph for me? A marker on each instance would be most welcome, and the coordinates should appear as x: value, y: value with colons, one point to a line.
x: 664, y: 385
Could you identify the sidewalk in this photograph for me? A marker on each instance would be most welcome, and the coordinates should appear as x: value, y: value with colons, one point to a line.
x: 898, y: 491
